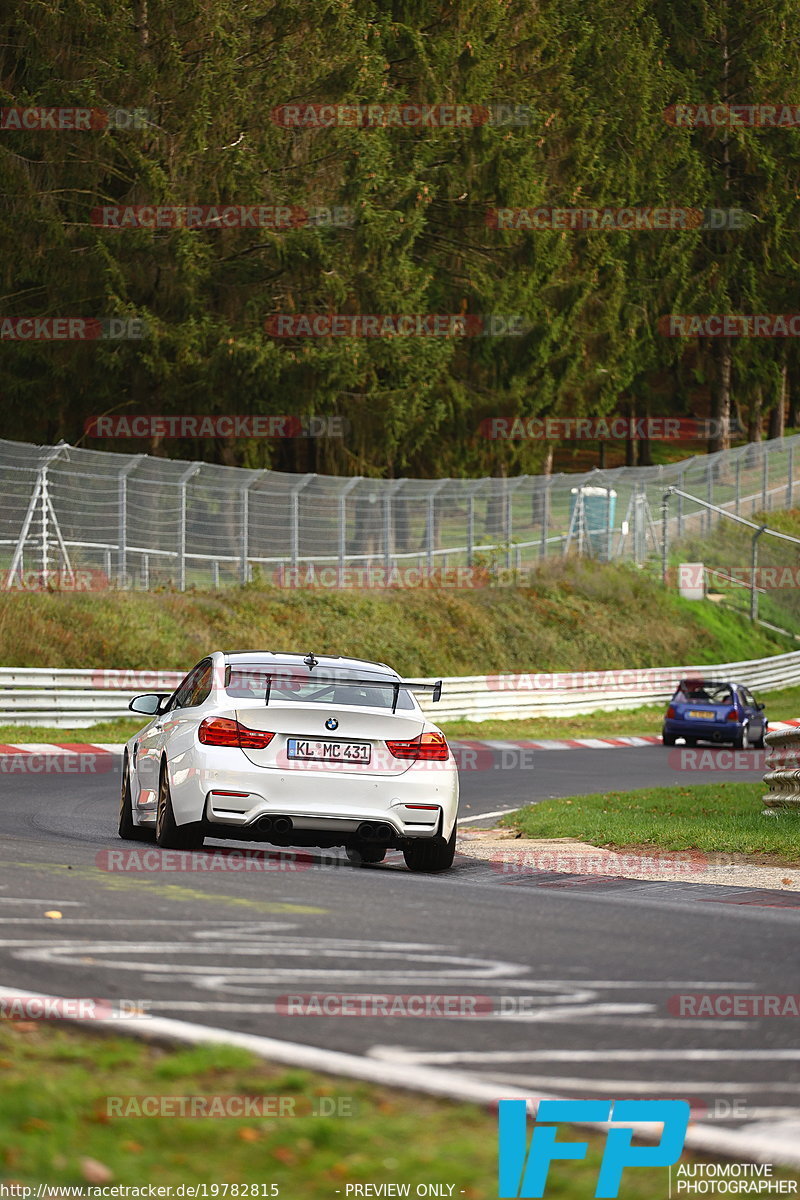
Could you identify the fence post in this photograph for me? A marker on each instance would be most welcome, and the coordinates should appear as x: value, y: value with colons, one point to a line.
x: 245, y: 563
x: 182, y: 482
x: 790, y: 481
x: 431, y: 532
x: 545, y: 520
x: 508, y: 520
x: 122, y: 557
x: 295, y: 521
x: 709, y: 496
x: 664, y: 526
x: 753, y: 565
x: 739, y: 486
x: 342, y: 523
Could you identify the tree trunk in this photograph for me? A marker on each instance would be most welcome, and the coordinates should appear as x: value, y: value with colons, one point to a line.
x: 777, y: 414
x: 141, y: 22
x: 631, y: 447
x: 721, y: 395
x: 754, y: 416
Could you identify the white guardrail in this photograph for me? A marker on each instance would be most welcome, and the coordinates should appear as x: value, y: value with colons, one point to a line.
x: 63, y: 698
x: 783, y: 771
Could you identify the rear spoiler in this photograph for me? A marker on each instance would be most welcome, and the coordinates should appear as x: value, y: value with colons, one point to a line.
x: 412, y: 685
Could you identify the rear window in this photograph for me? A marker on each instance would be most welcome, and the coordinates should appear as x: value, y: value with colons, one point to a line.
x: 703, y: 691
x: 298, y: 684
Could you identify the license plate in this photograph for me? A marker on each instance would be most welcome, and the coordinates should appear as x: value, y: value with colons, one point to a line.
x: 307, y: 748
x: 705, y: 716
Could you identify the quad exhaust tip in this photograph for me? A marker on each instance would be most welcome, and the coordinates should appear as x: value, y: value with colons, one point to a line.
x: 375, y: 832
x: 274, y: 824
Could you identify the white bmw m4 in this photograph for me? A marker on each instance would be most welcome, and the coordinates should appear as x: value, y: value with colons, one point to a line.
x: 297, y: 751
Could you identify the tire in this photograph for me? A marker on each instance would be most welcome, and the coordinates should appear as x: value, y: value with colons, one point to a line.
x: 126, y: 828
x: 365, y: 855
x: 432, y: 854
x: 742, y: 740
x: 668, y: 739
x: 760, y: 744
x: 690, y: 741
x: 169, y: 835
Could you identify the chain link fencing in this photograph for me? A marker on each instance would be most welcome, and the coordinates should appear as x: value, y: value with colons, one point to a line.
x: 86, y: 519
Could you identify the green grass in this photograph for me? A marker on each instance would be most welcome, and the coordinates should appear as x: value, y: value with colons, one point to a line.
x: 722, y: 818
x: 53, y: 1111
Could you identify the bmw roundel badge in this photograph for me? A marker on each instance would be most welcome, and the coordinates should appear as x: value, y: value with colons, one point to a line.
x: 331, y: 723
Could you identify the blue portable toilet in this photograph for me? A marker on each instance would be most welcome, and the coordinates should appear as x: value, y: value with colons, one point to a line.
x: 599, y: 509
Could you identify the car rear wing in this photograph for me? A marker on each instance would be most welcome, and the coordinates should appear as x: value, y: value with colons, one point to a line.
x: 267, y: 678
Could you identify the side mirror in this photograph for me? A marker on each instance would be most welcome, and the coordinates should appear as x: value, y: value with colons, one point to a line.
x: 149, y: 705
x: 760, y: 707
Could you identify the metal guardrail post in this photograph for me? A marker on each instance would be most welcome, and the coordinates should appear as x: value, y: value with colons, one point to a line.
x: 783, y: 772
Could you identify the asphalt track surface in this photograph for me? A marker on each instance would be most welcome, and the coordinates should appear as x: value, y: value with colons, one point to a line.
x: 578, y: 975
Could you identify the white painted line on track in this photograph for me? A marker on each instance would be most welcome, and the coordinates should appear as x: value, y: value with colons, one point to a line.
x: 501, y: 812
x: 647, y: 1087
x: 764, y: 1143
x: 513, y: 1056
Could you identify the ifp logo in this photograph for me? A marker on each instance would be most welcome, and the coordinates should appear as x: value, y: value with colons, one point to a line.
x: 526, y: 1178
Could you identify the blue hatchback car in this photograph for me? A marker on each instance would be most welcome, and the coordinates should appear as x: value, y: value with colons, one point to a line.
x: 705, y: 710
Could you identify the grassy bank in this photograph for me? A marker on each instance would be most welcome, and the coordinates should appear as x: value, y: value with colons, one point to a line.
x: 577, y: 615
x: 715, y: 818
x: 57, y: 1129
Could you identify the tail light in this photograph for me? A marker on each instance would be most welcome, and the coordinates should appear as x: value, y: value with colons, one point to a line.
x: 732, y: 715
x: 671, y: 713
x: 428, y: 747
x: 222, y: 731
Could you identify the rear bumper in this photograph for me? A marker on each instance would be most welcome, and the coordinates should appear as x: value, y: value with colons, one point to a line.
x: 708, y: 731
x: 406, y: 823
x: 335, y: 802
